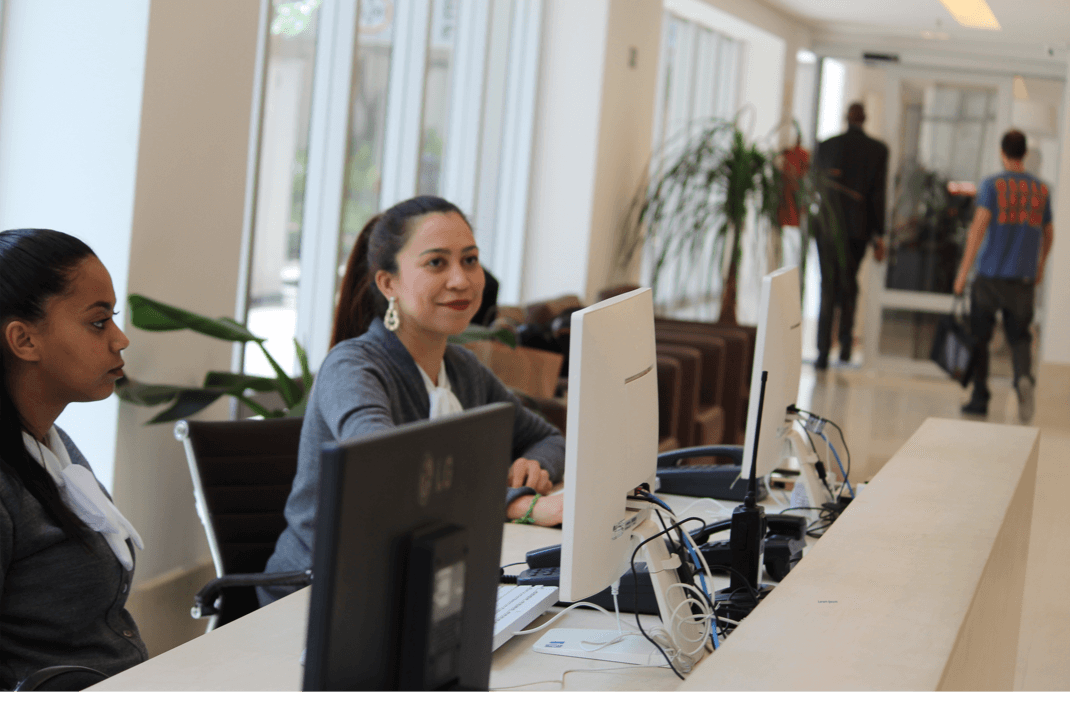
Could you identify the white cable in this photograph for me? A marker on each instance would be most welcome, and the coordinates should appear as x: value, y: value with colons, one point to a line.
x: 705, y: 501
x: 561, y: 613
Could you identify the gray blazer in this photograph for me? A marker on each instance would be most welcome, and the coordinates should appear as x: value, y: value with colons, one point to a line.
x: 60, y: 603
x: 371, y: 383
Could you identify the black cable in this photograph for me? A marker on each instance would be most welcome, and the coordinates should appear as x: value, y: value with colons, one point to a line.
x: 635, y: 593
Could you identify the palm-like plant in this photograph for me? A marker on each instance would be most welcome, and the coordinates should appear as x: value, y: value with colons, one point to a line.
x: 154, y: 316
x: 692, y: 214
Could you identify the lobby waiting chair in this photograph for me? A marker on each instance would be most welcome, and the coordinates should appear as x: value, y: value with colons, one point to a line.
x: 242, y: 474
x: 690, y: 360
x: 669, y: 381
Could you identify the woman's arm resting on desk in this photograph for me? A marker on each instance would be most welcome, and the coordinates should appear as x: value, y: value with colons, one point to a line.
x: 548, y: 511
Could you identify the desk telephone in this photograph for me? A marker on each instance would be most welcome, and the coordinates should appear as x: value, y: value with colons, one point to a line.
x: 784, y: 544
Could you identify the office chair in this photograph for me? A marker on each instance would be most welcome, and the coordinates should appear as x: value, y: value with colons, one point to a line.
x: 60, y: 678
x: 242, y: 474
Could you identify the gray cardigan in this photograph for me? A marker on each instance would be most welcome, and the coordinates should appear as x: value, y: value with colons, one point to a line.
x: 59, y: 602
x: 371, y: 383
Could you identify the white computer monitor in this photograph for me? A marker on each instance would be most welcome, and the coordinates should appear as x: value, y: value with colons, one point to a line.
x: 611, y: 449
x: 778, y: 351
x: 611, y: 443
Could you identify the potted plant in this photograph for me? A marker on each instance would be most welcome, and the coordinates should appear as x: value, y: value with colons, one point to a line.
x: 154, y: 316
x: 692, y: 212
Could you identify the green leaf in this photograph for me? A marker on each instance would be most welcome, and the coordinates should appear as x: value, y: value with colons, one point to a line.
x: 306, y: 373
x: 238, y: 383
x: 154, y: 316
x: 298, y: 409
x: 284, y: 382
x: 253, y: 406
x: 189, y: 402
x: 141, y: 394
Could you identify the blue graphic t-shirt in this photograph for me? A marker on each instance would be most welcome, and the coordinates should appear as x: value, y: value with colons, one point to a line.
x: 1020, y: 208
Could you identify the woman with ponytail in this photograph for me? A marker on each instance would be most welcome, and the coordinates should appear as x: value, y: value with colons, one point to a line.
x: 412, y: 280
x: 66, y: 553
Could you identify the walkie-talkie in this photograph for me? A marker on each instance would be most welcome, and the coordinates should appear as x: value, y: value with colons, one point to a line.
x: 747, y: 538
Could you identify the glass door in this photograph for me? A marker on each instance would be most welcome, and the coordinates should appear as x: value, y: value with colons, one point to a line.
x: 945, y: 131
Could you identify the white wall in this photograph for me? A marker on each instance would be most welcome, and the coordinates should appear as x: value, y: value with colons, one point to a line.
x: 565, y: 148
x: 624, y: 133
x: 186, y: 237
x: 70, y: 106
x: 128, y: 127
x: 594, y: 119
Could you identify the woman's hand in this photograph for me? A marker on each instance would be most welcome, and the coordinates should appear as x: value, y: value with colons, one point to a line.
x: 549, y: 509
x: 527, y: 472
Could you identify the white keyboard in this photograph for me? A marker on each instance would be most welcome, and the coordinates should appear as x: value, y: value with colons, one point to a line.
x: 518, y: 607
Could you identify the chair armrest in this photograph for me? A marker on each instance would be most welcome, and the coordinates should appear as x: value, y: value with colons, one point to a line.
x: 205, y: 600
x: 671, y: 458
x: 79, y: 677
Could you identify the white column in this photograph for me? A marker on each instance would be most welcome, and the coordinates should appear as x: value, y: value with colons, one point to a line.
x: 1055, y: 331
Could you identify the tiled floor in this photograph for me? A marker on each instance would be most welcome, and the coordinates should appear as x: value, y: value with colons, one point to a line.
x: 879, y: 412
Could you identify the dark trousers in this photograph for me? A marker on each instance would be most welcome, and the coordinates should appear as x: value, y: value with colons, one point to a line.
x: 839, y: 288
x: 1015, y: 299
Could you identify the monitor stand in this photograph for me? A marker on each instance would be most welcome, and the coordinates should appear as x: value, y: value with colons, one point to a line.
x: 635, y: 649
x: 813, y: 489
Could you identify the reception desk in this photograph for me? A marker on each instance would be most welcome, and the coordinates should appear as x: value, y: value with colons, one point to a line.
x: 917, y: 587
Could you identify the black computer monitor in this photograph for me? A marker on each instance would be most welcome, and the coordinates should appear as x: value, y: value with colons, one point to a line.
x: 407, y: 555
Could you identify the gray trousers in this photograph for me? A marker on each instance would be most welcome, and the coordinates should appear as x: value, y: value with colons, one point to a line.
x: 1014, y: 298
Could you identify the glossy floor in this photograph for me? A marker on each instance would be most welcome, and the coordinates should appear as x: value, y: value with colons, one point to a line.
x: 879, y: 412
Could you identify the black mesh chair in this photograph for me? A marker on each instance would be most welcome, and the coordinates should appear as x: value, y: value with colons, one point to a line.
x: 242, y: 473
x: 60, y: 678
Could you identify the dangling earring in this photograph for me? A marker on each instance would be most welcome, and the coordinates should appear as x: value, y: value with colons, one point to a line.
x: 392, y: 320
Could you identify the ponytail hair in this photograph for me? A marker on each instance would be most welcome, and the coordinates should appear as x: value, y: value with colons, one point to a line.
x: 377, y: 247
x: 35, y: 265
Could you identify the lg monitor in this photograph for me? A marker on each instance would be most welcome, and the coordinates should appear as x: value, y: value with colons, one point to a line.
x: 407, y: 555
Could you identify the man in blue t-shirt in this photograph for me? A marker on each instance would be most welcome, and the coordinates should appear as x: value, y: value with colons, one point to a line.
x: 1013, y: 233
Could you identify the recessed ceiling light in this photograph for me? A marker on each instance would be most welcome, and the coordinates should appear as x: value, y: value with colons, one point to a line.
x: 972, y: 13
x: 1020, y: 91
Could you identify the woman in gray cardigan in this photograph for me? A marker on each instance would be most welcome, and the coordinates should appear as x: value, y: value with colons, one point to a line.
x: 66, y: 553
x: 412, y: 280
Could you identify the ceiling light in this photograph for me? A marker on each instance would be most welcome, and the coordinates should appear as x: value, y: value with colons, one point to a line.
x: 972, y: 13
x: 930, y: 35
x: 1020, y: 91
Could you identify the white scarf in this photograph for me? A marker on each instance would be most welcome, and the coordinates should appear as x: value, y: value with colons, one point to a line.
x: 80, y: 492
x: 443, y: 400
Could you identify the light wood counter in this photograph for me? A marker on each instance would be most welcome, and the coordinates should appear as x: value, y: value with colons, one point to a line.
x: 917, y: 587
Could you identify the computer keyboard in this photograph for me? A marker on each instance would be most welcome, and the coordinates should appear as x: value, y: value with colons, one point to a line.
x: 518, y: 607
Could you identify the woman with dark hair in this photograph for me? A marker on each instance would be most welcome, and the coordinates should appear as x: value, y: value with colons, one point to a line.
x: 412, y: 280
x: 66, y: 552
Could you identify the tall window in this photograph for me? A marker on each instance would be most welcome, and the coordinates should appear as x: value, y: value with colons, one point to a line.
x: 280, y: 194
x: 369, y: 103
x: 699, y: 80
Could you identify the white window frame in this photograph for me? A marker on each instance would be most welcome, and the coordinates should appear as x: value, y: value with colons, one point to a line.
x: 328, y: 139
x: 487, y: 157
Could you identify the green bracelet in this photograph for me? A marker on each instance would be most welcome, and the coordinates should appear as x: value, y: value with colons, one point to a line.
x: 528, y: 519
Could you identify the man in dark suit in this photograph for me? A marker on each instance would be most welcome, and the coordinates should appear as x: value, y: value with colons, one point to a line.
x: 852, y: 171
